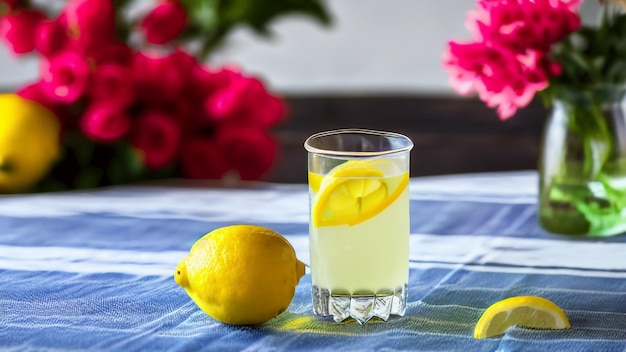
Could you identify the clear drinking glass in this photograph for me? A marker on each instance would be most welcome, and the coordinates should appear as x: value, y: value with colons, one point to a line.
x: 359, y: 223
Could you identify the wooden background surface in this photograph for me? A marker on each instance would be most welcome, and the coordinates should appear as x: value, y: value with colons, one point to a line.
x: 451, y: 135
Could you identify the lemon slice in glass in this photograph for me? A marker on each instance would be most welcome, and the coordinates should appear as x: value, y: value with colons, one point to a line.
x: 315, y: 180
x: 525, y: 311
x: 355, y: 191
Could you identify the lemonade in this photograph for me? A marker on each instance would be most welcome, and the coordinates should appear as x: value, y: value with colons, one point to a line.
x: 381, y: 242
x: 359, y: 235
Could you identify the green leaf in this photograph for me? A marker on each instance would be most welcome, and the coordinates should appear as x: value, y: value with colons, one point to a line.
x: 89, y: 178
x: 166, y: 172
x: 131, y: 161
x: 204, y: 15
x: 49, y: 185
x: 597, y: 63
x: 616, y: 72
x: 606, y: 212
x: 211, y: 21
x: 124, y: 167
x: 259, y: 14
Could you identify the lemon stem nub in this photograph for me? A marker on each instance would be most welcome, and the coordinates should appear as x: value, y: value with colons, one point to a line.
x: 300, y: 269
x: 180, y: 274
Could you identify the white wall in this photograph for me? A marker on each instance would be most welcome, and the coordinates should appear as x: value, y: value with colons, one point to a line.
x: 374, y: 46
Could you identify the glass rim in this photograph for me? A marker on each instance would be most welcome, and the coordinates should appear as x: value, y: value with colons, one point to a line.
x: 320, y: 151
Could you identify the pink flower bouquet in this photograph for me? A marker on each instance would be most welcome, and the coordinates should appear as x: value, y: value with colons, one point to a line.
x: 508, y: 61
x: 135, y: 101
x: 524, y: 48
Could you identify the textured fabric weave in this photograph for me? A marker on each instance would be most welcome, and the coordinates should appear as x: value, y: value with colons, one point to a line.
x: 93, y: 271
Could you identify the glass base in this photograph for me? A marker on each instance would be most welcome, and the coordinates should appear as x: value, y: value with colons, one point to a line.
x: 360, y: 306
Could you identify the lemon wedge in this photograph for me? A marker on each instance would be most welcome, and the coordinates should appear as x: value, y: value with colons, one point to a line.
x: 526, y: 311
x: 354, y: 192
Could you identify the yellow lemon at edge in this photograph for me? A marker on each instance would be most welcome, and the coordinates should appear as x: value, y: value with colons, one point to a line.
x: 525, y: 311
x: 241, y: 274
x: 29, y: 143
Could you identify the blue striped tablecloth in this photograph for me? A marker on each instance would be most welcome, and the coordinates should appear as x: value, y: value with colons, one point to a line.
x: 93, y: 271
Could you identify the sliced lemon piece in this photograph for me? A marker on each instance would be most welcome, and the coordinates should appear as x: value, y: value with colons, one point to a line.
x: 315, y: 180
x: 354, y: 192
x: 526, y: 311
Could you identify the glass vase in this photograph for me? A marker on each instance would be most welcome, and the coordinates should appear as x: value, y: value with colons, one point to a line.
x: 582, y: 166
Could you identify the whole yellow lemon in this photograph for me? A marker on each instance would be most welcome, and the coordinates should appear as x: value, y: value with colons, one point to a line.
x: 29, y: 143
x: 241, y: 274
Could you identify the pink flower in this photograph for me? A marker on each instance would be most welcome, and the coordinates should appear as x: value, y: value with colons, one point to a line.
x: 245, y: 101
x: 90, y: 23
x: 188, y: 108
x: 18, y: 30
x: 269, y: 110
x: 228, y: 101
x: 502, y: 78
x: 200, y: 83
x: 49, y: 37
x: 261, y: 108
x: 511, y: 97
x: 251, y: 152
x: 160, y: 79
x: 190, y: 116
x: 200, y: 158
x: 473, y: 64
x: 186, y: 64
x: 104, y: 123
x: 112, y: 53
x: 35, y: 92
x: 112, y: 84
x: 203, y: 82
x: 165, y: 23
x: 157, y: 136
x: 65, y: 76
x: 524, y: 24
x: 206, y: 81
x: 508, y: 63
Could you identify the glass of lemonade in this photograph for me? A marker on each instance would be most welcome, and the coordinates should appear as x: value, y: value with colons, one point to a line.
x: 359, y: 223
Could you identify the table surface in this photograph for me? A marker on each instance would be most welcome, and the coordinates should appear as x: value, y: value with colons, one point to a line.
x: 93, y: 270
